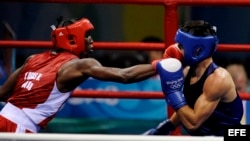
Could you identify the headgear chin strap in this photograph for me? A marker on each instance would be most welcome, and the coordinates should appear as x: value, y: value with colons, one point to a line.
x: 196, y: 48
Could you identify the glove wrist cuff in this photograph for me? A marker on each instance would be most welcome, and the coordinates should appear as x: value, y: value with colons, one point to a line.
x: 176, y: 100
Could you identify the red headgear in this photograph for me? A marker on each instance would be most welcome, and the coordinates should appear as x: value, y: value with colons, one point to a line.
x: 72, y: 37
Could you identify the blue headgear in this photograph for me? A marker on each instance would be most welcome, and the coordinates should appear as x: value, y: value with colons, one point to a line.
x: 196, y: 48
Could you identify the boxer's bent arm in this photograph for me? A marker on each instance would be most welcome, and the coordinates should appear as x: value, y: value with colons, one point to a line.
x: 216, y: 86
x: 7, y: 88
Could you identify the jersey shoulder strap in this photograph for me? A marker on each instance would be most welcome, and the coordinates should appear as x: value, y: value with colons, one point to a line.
x: 211, y: 68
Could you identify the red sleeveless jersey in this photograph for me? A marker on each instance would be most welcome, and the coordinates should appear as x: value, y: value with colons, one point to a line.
x: 36, y: 92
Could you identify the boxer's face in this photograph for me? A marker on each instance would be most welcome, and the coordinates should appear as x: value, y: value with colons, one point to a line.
x: 181, y: 48
x: 88, y: 45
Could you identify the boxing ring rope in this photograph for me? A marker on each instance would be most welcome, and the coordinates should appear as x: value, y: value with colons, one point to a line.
x: 118, y: 45
x: 129, y: 94
x: 99, y: 137
x: 97, y: 45
x: 170, y: 25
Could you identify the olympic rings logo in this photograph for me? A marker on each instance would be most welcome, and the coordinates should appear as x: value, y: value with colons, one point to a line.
x: 176, y: 85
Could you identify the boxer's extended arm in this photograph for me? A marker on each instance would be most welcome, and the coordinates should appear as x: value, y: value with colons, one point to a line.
x: 90, y: 67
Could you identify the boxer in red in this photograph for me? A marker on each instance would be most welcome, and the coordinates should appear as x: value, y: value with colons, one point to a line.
x: 35, y: 92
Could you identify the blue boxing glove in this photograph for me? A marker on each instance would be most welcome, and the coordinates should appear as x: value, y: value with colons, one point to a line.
x: 172, y: 79
x: 164, y: 128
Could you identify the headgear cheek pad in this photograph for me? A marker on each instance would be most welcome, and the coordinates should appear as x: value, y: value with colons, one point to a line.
x: 196, y: 48
x: 72, y: 37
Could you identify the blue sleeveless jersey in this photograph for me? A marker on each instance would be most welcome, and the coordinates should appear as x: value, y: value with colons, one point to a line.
x: 3, y: 73
x: 225, y: 113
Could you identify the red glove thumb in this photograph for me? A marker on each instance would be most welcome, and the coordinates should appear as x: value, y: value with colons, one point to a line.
x: 173, y: 52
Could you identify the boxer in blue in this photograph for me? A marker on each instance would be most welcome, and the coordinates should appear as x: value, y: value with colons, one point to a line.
x: 202, y: 94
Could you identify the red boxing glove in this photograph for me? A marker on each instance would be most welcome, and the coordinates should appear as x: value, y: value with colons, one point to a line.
x: 154, y: 63
x: 173, y: 51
